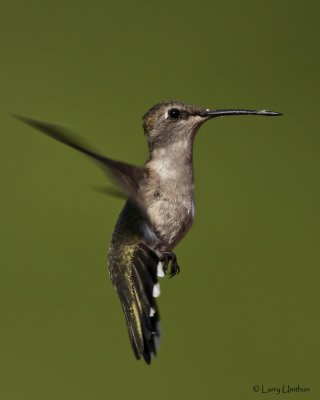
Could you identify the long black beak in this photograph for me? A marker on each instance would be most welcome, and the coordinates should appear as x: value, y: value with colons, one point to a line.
x: 221, y: 113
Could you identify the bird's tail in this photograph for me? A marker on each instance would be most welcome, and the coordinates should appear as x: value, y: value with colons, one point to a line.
x: 138, y: 299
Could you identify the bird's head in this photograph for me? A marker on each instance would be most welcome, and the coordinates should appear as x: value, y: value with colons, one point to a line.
x: 173, y: 121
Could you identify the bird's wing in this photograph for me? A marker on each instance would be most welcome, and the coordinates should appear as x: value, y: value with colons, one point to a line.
x: 127, y: 177
x: 137, y: 289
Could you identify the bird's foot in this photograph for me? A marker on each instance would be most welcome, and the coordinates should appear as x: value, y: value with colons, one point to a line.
x: 168, y: 256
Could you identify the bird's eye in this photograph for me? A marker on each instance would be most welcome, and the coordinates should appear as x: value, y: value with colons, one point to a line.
x: 174, y: 113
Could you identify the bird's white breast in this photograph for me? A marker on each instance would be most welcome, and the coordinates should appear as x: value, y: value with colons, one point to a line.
x: 170, y: 202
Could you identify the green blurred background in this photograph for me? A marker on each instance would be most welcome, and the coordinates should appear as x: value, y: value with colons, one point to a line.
x: 245, y: 309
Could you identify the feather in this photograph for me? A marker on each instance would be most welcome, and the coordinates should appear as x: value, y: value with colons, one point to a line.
x: 138, y: 302
x: 128, y: 177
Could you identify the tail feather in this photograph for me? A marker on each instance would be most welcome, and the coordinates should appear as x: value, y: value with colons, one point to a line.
x: 139, y: 305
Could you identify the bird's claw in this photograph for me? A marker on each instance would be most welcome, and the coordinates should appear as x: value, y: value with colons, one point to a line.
x: 168, y: 256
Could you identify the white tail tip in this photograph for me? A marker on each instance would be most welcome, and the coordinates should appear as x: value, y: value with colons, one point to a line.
x: 160, y: 271
x: 156, y: 290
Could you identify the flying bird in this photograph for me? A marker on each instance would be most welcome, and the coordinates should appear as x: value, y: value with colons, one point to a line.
x: 158, y: 211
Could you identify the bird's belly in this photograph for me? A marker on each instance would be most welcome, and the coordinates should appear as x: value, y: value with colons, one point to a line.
x: 171, y: 219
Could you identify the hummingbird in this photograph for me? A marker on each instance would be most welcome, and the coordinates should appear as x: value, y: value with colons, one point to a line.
x: 158, y: 211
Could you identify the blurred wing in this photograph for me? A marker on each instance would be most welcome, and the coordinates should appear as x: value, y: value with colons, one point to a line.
x: 110, y: 191
x: 127, y: 176
x: 137, y: 292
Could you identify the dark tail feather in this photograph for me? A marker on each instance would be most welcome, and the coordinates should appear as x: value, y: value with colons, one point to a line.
x: 141, y: 310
